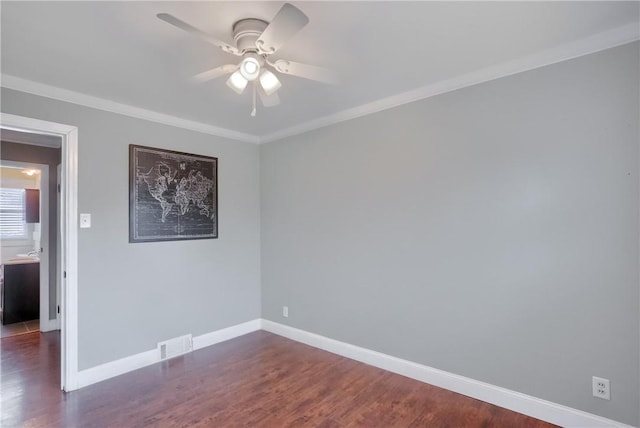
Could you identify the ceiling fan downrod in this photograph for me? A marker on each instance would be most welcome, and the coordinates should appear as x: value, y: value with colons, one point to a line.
x: 255, y: 90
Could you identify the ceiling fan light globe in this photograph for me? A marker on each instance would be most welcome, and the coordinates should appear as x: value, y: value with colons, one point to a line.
x: 237, y: 82
x: 250, y: 68
x: 269, y: 82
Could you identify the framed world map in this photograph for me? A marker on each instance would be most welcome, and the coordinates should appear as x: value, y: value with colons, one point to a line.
x: 172, y: 195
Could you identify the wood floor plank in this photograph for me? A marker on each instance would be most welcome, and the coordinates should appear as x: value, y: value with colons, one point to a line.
x: 257, y: 380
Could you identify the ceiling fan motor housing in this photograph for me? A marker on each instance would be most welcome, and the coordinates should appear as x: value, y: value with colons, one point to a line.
x: 246, y: 32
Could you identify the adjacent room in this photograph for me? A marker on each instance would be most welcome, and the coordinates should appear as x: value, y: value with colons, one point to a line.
x: 270, y: 214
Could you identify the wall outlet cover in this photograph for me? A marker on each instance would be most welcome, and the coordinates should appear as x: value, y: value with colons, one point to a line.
x: 601, y: 388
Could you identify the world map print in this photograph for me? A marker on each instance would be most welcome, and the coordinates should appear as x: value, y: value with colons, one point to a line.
x: 173, y: 195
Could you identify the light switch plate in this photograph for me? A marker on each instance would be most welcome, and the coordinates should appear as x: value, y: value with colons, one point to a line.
x: 85, y: 221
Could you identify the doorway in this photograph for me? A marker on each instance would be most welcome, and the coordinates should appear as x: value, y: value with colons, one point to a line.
x: 28, y: 227
x: 67, y: 262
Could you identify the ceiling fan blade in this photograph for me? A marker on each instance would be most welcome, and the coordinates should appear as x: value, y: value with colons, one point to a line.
x: 214, y: 73
x: 268, y: 100
x: 305, y: 71
x: 287, y: 22
x: 170, y: 19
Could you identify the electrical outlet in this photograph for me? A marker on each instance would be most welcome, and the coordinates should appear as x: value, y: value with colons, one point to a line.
x: 601, y: 388
x: 285, y: 311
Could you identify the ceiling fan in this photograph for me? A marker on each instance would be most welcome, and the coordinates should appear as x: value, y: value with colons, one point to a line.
x: 255, y: 40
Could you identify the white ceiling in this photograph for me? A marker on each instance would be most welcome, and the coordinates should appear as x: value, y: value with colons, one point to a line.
x: 120, y: 51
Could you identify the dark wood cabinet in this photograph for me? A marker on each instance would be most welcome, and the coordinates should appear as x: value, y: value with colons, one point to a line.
x: 21, y: 292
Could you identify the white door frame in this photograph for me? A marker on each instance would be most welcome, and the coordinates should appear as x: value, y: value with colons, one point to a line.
x: 69, y: 231
x: 45, y: 323
x: 59, y: 271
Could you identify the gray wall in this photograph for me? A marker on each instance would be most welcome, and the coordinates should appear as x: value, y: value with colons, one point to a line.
x: 133, y: 295
x: 48, y: 156
x: 490, y: 232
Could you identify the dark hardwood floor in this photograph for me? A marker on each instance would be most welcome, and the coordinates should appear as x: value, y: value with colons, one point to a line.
x: 258, y: 380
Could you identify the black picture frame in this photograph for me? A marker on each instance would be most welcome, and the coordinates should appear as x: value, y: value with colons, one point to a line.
x: 172, y: 195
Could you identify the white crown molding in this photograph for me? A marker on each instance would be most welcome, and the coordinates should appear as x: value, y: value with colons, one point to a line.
x: 591, y: 44
x: 595, y: 43
x: 56, y: 93
x: 502, y: 397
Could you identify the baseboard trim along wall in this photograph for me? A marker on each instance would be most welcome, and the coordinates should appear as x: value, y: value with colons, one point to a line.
x: 50, y: 325
x: 218, y: 336
x: 512, y: 400
x: 133, y: 362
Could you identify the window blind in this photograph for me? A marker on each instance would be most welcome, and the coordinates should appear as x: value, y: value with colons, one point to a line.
x: 12, y: 211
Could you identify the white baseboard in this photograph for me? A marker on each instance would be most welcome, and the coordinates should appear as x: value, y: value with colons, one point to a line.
x: 133, y: 362
x: 228, y: 333
x: 115, y: 368
x: 49, y: 325
x: 512, y: 400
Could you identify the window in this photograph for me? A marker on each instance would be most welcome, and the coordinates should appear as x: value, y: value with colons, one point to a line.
x: 12, y: 214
